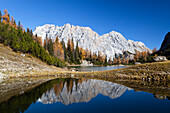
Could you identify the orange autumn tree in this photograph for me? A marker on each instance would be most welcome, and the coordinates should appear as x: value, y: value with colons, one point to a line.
x: 6, y: 18
x: 58, y: 49
x: 82, y: 53
x: 72, y: 44
x: 39, y: 40
x: 115, y: 61
x: 13, y: 23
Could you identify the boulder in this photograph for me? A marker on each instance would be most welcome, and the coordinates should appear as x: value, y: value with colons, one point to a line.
x: 136, y: 63
x: 160, y: 58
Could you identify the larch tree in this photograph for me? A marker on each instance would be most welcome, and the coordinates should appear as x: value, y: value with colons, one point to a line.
x: 58, y: 49
x: 82, y: 53
x: 119, y: 61
x: 115, y: 61
x: 124, y: 61
x: 127, y: 61
x: 154, y: 50
x: 110, y: 61
x: 12, y: 21
x: 72, y: 44
x: 6, y: 18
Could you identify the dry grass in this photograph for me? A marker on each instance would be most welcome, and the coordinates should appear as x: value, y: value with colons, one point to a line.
x: 156, y: 71
x: 14, y: 64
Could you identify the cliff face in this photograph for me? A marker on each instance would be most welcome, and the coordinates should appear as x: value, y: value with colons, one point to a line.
x: 82, y: 92
x: 166, y: 42
x: 108, y: 44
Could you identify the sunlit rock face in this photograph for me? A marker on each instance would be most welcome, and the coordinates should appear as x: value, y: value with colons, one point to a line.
x: 108, y: 44
x: 72, y: 92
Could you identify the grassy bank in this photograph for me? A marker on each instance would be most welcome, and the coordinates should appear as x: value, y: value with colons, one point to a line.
x: 157, y: 71
x: 17, y: 64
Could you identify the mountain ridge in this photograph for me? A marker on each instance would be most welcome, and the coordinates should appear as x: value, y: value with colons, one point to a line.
x: 109, y: 44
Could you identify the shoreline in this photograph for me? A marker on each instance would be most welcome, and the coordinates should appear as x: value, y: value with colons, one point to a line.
x: 137, y: 72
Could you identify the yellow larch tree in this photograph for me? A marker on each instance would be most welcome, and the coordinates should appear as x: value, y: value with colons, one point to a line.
x: 6, y: 18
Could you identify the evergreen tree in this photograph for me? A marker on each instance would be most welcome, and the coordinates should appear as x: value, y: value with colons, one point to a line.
x: 19, y: 25
x: 50, y: 47
x: 0, y: 15
x: 36, y: 35
x: 45, y: 42
x: 105, y: 62
x: 65, y: 50
x: 90, y: 56
x: 77, y: 53
x: 116, y: 56
x: 69, y: 51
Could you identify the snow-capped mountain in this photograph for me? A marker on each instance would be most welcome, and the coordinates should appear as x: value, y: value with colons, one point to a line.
x: 108, y: 44
x: 83, y: 92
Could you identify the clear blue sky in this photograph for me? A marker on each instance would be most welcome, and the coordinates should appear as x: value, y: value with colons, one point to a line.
x: 140, y: 20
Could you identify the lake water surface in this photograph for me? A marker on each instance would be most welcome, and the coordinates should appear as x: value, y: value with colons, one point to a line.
x: 73, y: 95
x: 96, y: 68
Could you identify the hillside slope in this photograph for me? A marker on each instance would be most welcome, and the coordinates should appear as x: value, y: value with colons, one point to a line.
x: 19, y: 64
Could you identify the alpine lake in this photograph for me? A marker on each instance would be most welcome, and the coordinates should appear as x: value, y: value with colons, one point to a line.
x: 83, y: 95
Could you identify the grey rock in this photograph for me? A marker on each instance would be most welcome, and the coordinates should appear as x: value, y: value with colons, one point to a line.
x: 160, y: 58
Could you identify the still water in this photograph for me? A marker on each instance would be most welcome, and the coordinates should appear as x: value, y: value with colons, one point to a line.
x: 73, y: 95
x: 96, y: 68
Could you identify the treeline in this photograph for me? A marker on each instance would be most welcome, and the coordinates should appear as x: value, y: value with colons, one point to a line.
x: 18, y: 39
x: 142, y: 57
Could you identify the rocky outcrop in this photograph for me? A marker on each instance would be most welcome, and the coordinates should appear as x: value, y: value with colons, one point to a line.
x: 108, y: 44
x: 83, y: 92
x: 166, y: 42
x: 160, y: 58
x: 86, y: 63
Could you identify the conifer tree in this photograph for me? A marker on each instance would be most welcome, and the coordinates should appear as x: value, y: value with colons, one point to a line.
x: 50, y: 47
x: 77, y: 53
x: 72, y: 44
x: 12, y: 21
x: 45, y: 42
x: 65, y: 50
x: 69, y: 51
x: 90, y: 57
x: 5, y: 17
x: 0, y: 15
x: 19, y: 25
x: 58, y: 49
x: 105, y: 62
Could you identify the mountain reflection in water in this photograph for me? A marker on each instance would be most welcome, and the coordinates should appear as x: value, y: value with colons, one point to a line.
x: 89, y: 94
x: 71, y: 91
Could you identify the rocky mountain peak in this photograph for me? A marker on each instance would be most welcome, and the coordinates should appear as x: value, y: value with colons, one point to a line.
x: 108, y: 44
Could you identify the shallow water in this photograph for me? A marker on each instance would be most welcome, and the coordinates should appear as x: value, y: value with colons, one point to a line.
x: 96, y: 68
x: 72, y: 95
